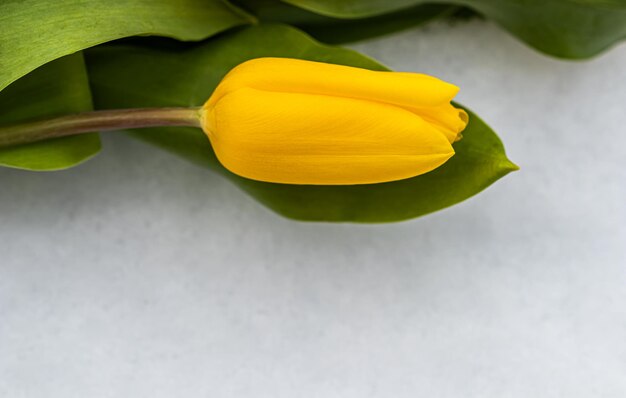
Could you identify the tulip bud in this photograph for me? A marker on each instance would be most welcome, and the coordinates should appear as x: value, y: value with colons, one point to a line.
x: 301, y: 122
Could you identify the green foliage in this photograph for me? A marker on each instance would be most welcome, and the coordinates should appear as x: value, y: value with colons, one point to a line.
x: 341, y: 30
x: 35, y: 32
x: 136, y: 76
x: 57, y: 88
x: 563, y: 28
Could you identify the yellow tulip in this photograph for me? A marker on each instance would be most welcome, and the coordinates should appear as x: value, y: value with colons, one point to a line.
x: 301, y: 122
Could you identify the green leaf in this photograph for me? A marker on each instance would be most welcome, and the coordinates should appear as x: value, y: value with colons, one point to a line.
x: 336, y: 30
x: 563, y: 28
x: 132, y: 76
x: 35, y: 32
x: 57, y: 88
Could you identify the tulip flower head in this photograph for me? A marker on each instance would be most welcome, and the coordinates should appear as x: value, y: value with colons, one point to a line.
x: 301, y: 122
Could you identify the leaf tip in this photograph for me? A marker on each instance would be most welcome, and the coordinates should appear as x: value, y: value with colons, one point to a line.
x: 509, y: 166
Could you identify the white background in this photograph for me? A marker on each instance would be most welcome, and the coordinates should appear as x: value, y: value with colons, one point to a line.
x: 140, y: 275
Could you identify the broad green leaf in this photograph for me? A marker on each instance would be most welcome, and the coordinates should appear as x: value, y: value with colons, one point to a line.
x: 563, y: 28
x: 132, y: 76
x: 37, y: 31
x: 341, y: 30
x: 57, y: 88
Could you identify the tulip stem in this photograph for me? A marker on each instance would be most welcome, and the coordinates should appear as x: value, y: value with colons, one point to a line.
x: 106, y: 120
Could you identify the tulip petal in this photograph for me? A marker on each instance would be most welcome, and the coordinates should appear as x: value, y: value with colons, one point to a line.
x: 295, y: 75
x: 300, y: 138
x: 446, y: 118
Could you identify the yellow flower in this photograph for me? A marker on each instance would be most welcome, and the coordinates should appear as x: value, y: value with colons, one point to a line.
x: 301, y: 122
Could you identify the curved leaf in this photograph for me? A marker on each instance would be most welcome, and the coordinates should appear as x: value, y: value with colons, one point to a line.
x: 341, y: 30
x: 57, y: 88
x: 132, y: 76
x: 563, y: 28
x: 35, y: 32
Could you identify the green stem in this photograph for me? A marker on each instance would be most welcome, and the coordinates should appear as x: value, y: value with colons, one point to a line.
x: 117, y: 119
